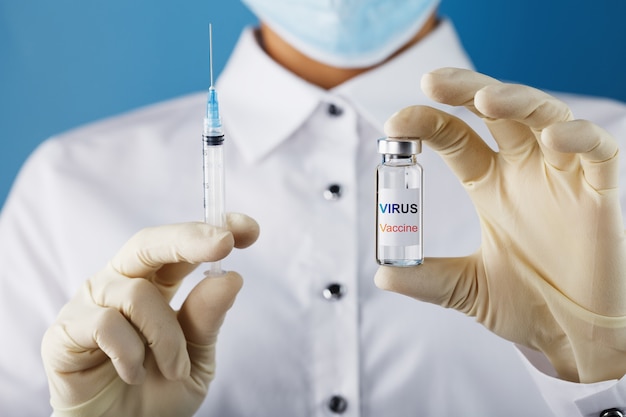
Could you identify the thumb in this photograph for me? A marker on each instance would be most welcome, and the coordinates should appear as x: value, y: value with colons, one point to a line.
x: 448, y: 282
x: 203, y: 312
x: 201, y: 316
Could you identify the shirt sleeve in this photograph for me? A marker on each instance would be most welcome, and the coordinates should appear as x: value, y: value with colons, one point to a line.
x: 30, y: 295
x: 567, y: 398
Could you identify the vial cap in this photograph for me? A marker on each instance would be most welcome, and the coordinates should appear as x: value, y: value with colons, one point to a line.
x: 403, y: 147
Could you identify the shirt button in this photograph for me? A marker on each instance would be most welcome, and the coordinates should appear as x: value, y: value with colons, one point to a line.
x: 333, y: 291
x: 612, y: 412
x: 333, y: 192
x: 337, y: 404
x: 334, y: 110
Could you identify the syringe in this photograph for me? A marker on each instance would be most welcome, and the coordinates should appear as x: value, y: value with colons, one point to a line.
x: 213, y: 159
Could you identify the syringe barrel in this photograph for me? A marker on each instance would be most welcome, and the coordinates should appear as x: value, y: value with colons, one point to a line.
x: 213, y: 155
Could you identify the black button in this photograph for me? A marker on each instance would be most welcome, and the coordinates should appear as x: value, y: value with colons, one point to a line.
x: 333, y: 192
x: 337, y: 404
x: 612, y: 412
x: 333, y: 110
x: 333, y: 291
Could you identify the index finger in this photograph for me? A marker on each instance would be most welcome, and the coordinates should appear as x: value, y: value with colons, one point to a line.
x: 153, y: 247
x: 513, y: 113
x: 460, y: 147
x: 185, y: 244
x: 245, y: 231
x: 455, y: 86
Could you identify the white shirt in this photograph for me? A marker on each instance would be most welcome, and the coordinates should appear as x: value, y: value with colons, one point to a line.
x: 284, y: 349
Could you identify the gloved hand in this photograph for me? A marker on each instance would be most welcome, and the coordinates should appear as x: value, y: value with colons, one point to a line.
x: 118, y: 348
x: 551, y: 269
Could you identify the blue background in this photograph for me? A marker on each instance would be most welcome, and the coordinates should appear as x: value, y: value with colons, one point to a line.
x: 68, y: 62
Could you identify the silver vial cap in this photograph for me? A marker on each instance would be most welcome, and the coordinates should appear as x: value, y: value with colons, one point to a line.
x: 401, y: 147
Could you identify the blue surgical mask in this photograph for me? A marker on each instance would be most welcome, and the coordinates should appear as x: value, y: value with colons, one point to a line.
x: 345, y: 33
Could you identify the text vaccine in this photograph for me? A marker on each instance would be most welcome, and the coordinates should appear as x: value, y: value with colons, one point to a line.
x: 399, y: 203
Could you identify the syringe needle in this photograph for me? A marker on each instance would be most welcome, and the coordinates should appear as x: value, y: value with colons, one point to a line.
x: 211, y: 52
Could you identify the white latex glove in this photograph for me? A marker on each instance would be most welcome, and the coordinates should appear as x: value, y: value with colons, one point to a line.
x: 551, y: 270
x: 119, y: 349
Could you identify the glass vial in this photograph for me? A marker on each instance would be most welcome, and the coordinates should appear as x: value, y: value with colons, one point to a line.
x: 399, y: 203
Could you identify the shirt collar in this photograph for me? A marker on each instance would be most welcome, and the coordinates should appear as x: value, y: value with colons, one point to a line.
x: 269, y: 103
x: 382, y: 91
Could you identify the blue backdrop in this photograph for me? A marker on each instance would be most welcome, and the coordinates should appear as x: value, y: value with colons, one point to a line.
x: 67, y: 62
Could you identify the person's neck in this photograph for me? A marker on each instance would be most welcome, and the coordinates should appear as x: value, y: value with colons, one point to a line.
x: 315, y: 72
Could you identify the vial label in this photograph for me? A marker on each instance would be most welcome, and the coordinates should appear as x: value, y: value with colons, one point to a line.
x: 399, y: 217
x: 399, y: 227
